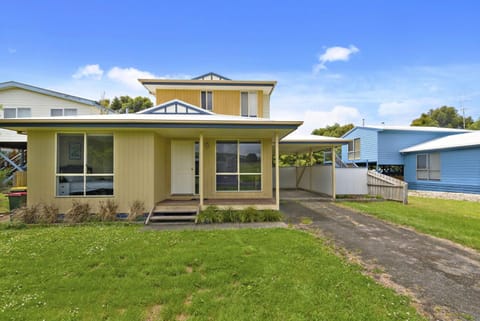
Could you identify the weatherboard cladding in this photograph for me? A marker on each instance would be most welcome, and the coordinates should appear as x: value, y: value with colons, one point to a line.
x: 391, y: 142
x: 368, y: 144
x: 459, y: 171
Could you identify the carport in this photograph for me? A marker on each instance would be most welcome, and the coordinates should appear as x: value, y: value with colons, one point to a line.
x: 308, y: 144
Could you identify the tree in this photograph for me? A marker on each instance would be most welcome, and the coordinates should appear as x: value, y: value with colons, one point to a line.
x: 133, y: 105
x: 444, y: 116
x: 334, y: 130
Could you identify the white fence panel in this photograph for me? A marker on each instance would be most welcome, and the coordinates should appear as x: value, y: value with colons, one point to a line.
x: 352, y: 181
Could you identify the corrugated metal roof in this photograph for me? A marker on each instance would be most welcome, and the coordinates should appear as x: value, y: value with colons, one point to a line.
x: 452, y: 141
x: 15, y: 84
x: 409, y: 129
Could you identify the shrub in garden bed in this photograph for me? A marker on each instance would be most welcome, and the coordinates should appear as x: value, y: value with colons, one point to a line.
x: 248, y: 215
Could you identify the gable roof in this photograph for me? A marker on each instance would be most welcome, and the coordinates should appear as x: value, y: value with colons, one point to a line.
x: 176, y: 107
x: 464, y: 140
x: 210, y: 76
x: 216, y: 83
x: 382, y: 128
x: 48, y: 92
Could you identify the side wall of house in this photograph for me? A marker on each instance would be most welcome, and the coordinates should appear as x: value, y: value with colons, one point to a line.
x: 368, y: 145
x: 40, y: 104
x: 224, y: 101
x: 459, y: 172
x: 391, y: 142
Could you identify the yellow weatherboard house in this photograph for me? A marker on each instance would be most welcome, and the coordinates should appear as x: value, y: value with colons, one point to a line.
x: 208, y: 140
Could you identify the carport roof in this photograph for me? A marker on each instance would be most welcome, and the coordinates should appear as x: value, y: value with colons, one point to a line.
x: 294, y: 143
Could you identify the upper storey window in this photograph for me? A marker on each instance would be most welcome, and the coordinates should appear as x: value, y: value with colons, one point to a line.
x: 207, y: 100
x: 249, y: 104
x: 17, y: 112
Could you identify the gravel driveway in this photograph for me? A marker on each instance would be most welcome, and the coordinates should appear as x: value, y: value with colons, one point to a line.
x: 443, y: 277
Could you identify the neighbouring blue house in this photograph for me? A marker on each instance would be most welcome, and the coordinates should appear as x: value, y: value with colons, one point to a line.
x: 447, y: 164
x: 378, y: 147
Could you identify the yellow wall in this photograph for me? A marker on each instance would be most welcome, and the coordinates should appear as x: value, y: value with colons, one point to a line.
x: 142, y: 162
x: 224, y: 101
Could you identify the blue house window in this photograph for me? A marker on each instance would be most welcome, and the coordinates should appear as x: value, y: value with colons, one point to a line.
x: 354, y: 149
x: 428, y: 167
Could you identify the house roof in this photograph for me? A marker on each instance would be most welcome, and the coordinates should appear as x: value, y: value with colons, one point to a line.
x: 294, y: 143
x: 210, y: 81
x: 464, y: 140
x: 48, y: 92
x: 190, y: 123
x: 409, y: 129
x: 210, y: 76
x: 11, y: 139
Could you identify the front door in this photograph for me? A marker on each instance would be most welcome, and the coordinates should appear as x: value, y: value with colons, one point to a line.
x: 183, y: 167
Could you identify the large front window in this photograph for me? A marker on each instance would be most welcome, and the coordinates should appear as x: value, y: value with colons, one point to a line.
x: 428, y: 167
x: 354, y: 149
x: 84, y: 164
x: 238, y: 166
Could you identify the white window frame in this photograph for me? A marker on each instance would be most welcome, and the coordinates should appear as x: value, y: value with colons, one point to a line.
x: 238, y: 173
x: 206, y: 99
x: 63, y: 110
x: 250, y: 112
x: 430, y: 174
x: 17, y: 109
x: 355, y: 153
x: 84, y: 174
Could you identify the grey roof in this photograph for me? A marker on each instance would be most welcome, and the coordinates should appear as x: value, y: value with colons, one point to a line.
x: 410, y: 129
x: 212, y: 76
x: 48, y: 92
x: 465, y: 140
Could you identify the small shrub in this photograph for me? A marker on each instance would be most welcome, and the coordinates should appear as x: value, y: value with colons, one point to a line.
x: 136, y: 209
x: 272, y: 216
x: 48, y: 214
x: 107, y: 210
x: 230, y: 216
x: 78, y: 213
x: 26, y: 214
x: 249, y: 215
x: 211, y: 215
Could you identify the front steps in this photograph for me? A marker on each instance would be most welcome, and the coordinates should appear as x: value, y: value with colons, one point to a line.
x: 168, y: 214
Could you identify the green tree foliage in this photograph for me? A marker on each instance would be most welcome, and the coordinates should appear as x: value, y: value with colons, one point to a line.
x: 335, y: 130
x: 444, y: 116
x: 123, y: 103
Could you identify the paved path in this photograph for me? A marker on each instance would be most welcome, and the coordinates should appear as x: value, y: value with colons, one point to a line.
x: 438, y: 273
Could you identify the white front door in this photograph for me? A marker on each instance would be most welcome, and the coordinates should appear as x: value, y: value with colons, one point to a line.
x: 183, y: 167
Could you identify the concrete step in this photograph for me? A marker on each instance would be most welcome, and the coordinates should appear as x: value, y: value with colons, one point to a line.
x: 160, y: 218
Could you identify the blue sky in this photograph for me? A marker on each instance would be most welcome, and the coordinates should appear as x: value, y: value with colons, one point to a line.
x: 335, y: 61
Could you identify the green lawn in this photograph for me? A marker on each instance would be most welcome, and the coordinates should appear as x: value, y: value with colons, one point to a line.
x: 116, y: 272
x: 458, y: 221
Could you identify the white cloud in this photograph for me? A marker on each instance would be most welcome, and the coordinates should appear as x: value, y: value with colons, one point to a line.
x: 334, y: 54
x: 89, y: 71
x: 407, y: 107
x: 129, y: 76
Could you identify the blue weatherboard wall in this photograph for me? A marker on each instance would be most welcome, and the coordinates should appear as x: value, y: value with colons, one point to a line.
x: 390, y: 142
x: 368, y: 144
x: 459, y: 171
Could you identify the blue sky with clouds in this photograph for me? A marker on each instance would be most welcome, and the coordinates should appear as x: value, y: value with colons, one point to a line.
x: 335, y: 61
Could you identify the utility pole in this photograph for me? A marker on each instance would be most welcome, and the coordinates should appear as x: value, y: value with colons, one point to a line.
x: 462, y: 100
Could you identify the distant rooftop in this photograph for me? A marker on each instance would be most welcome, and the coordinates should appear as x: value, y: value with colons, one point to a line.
x: 211, y: 76
x: 449, y: 142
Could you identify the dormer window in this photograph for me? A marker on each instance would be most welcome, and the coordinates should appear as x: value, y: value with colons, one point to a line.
x: 249, y: 104
x: 207, y: 100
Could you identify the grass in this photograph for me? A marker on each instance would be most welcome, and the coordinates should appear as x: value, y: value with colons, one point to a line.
x: 117, y: 272
x: 458, y: 221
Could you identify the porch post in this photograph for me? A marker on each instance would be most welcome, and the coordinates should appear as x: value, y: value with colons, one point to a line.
x: 310, y: 155
x: 200, y: 172
x: 277, y: 174
x: 334, y: 178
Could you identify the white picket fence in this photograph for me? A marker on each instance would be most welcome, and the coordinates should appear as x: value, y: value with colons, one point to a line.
x: 387, y: 187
